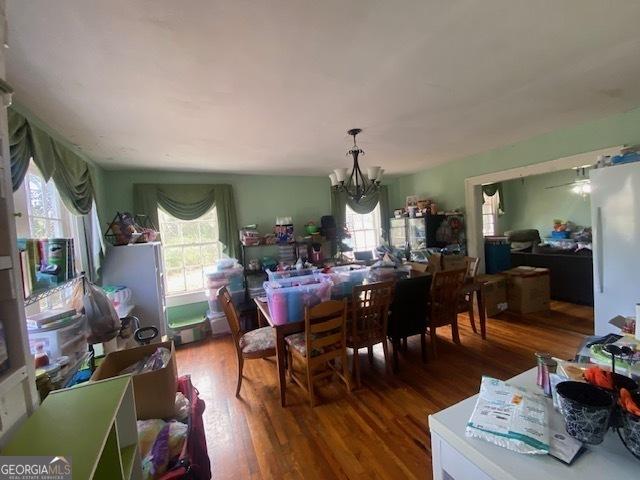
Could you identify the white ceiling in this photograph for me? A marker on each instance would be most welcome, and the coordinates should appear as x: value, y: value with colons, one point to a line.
x: 272, y: 86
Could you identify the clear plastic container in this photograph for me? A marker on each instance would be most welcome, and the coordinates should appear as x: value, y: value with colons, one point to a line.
x: 345, y: 278
x: 232, y: 278
x: 291, y: 273
x: 69, y: 339
x: 218, y: 323
x: 287, y: 298
x: 237, y: 298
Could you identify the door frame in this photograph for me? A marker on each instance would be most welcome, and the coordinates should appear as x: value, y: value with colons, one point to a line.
x: 473, y: 190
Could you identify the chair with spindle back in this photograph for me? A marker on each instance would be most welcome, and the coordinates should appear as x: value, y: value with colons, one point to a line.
x: 445, y: 295
x: 259, y: 343
x: 368, y: 322
x: 466, y: 299
x: 322, y: 342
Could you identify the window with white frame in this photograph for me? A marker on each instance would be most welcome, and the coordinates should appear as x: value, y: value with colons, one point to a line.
x: 365, y: 229
x: 42, y: 214
x: 490, y: 214
x: 41, y: 211
x: 189, y: 247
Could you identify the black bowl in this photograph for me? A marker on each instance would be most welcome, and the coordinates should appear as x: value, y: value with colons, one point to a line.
x: 625, y: 382
x: 586, y: 410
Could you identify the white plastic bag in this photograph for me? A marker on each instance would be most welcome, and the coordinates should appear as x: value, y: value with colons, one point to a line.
x: 510, y: 417
x: 103, y: 321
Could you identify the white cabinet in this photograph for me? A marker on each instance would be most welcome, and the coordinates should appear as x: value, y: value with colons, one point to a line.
x: 140, y: 267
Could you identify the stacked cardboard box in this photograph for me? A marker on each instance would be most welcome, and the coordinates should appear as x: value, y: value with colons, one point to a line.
x: 528, y: 289
x: 494, y: 293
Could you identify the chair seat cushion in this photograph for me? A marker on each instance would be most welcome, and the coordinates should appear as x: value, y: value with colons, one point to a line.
x: 259, y: 340
x: 298, y: 342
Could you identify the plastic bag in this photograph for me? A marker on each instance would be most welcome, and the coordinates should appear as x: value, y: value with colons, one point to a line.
x: 157, y: 360
x: 510, y: 417
x: 104, y: 323
x: 182, y: 407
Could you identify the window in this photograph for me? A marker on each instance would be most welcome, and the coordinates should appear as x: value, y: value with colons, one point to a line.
x: 364, y: 228
x: 490, y: 214
x: 189, y: 246
x: 42, y: 213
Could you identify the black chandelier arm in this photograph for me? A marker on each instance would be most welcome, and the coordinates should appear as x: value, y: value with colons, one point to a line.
x: 357, y: 185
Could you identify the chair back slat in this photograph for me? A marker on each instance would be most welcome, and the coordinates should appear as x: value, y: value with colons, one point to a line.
x: 472, y: 266
x: 445, y: 293
x: 325, y: 326
x: 229, y: 309
x: 370, y: 309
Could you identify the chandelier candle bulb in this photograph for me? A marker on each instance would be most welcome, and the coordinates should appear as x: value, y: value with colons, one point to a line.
x: 380, y: 173
x: 334, y: 179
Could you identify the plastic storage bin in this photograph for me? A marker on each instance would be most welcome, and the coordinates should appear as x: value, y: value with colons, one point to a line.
x: 218, y: 323
x: 385, y: 274
x: 214, y: 305
x: 232, y: 278
x: 66, y: 339
x: 291, y: 273
x: 344, y: 278
x: 287, y: 298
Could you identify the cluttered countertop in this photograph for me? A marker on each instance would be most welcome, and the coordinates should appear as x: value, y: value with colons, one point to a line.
x: 458, y: 455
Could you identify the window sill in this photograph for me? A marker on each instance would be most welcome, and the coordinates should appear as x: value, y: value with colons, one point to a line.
x: 178, y: 299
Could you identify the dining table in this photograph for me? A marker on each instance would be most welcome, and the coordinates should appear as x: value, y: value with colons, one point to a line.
x: 284, y: 329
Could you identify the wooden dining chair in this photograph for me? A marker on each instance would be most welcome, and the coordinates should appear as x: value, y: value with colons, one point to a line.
x: 445, y: 295
x: 259, y: 343
x: 368, y: 323
x: 466, y: 298
x: 319, y: 346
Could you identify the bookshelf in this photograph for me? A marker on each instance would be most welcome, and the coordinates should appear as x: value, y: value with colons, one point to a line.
x: 93, y: 424
x: 17, y: 383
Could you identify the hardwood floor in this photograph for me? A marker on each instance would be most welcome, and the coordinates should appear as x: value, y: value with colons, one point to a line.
x: 381, y: 429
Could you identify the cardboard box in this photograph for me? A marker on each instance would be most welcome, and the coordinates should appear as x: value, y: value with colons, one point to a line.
x: 155, y: 392
x: 418, y: 267
x: 528, y: 289
x: 494, y: 293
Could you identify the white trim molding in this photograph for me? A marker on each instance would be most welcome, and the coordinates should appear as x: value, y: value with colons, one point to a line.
x: 473, y: 190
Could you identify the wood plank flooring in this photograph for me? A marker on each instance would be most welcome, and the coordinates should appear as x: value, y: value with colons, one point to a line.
x: 380, y: 430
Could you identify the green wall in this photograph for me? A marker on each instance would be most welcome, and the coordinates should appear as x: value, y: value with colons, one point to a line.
x: 529, y: 204
x: 445, y: 183
x: 259, y: 198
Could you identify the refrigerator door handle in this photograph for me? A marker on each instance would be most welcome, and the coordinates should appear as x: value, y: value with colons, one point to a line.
x: 600, y: 251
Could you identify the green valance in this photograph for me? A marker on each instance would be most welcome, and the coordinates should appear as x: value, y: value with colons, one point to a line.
x: 188, y: 202
x: 69, y: 171
x: 490, y: 190
x: 340, y: 200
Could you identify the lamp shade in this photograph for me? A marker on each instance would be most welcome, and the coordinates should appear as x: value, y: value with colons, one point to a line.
x: 380, y: 173
x: 373, y: 172
x: 341, y: 174
x: 334, y: 179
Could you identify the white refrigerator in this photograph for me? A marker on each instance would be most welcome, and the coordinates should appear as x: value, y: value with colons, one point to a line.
x: 615, y: 214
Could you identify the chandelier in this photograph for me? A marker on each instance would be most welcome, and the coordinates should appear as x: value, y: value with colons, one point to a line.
x: 356, y: 185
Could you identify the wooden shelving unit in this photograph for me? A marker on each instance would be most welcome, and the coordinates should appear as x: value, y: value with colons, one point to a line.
x: 93, y: 424
x: 18, y: 393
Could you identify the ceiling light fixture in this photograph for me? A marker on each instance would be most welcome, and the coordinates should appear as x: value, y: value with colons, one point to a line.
x: 356, y: 185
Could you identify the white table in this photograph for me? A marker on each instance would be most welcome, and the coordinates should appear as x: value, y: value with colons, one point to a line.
x: 455, y: 456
